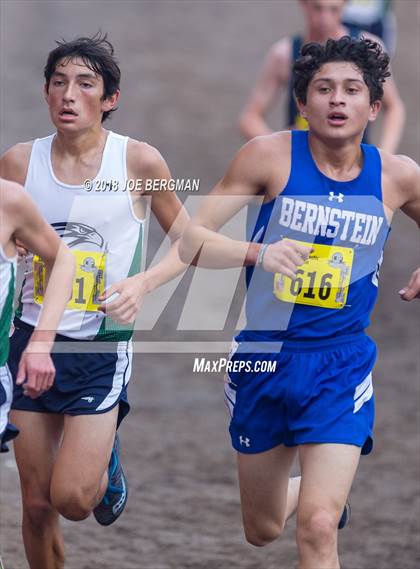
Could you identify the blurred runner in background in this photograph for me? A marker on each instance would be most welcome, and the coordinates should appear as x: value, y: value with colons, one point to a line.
x: 322, y: 20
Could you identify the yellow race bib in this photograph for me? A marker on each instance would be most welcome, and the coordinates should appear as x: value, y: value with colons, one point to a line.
x: 88, y: 283
x: 322, y: 280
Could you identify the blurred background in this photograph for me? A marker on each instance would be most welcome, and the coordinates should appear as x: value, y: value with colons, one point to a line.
x: 187, y: 69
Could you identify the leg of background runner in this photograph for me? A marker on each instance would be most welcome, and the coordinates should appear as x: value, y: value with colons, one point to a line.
x: 328, y: 471
x: 268, y: 496
x: 35, y: 449
x: 80, y: 475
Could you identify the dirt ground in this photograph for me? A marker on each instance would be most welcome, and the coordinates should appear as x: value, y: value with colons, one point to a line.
x: 187, y: 67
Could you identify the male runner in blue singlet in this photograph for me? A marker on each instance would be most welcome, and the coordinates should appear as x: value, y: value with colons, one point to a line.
x: 322, y: 20
x: 79, y: 177
x: 312, y: 254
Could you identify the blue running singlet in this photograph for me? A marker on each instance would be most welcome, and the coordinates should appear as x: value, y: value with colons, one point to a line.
x: 336, y: 288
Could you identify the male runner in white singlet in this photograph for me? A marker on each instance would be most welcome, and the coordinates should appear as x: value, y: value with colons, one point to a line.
x: 79, y: 177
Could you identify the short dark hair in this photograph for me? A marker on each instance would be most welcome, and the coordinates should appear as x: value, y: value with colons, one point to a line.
x: 365, y: 54
x: 97, y: 53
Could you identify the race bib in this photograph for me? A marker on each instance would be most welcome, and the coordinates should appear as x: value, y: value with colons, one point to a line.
x: 88, y: 283
x: 322, y: 280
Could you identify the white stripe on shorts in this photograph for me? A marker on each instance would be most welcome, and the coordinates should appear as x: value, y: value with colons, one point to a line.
x: 121, y: 376
x: 6, y: 384
x: 230, y: 395
x: 127, y: 375
x: 363, y: 393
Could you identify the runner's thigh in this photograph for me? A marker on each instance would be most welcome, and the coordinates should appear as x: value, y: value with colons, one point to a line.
x: 86, y: 449
x: 263, y: 482
x: 328, y: 471
x: 36, y: 448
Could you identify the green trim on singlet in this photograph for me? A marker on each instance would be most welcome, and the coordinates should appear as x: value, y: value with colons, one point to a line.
x: 111, y: 331
x: 6, y: 318
x: 19, y: 309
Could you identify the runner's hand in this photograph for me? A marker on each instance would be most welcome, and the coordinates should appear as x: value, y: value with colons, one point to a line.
x: 285, y: 257
x: 130, y: 293
x: 36, y: 370
x: 412, y: 290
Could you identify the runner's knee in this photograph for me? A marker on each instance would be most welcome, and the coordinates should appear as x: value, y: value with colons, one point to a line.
x: 37, y: 509
x: 73, y: 504
x: 317, y: 530
x: 262, y: 532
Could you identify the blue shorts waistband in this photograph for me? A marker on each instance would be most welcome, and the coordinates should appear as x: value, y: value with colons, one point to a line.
x: 256, y: 345
x: 324, y: 344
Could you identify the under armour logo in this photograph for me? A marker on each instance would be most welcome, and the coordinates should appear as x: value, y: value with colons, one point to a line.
x: 89, y: 399
x: 339, y: 197
x: 244, y: 441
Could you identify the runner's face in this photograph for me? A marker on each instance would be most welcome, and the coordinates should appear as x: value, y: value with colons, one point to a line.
x: 75, y: 96
x: 338, y: 103
x: 323, y: 16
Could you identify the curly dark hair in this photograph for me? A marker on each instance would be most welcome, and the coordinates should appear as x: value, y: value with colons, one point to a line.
x: 97, y: 54
x: 366, y: 54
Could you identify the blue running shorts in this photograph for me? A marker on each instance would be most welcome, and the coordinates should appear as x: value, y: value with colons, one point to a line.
x: 85, y: 383
x: 320, y: 392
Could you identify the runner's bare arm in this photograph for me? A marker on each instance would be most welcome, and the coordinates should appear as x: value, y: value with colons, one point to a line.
x: 173, y: 218
x: 250, y: 173
x: 272, y: 78
x: 393, y: 117
x: 38, y: 236
x: 409, y: 178
x: 393, y: 109
x: 146, y: 163
x: 15, y: 161
x: 14, y: 167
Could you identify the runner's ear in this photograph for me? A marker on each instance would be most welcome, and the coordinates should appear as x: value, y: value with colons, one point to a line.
x: 374, y: 110
x: 109, y: 103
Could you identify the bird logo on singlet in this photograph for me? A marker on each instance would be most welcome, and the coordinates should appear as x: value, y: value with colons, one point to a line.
x: 76, y: 233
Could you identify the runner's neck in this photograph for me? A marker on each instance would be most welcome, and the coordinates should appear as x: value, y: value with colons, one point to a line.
x: 342, y: 163
x: 78, y: 144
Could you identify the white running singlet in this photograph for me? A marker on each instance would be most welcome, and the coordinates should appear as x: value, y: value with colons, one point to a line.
x: 99, y: 225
